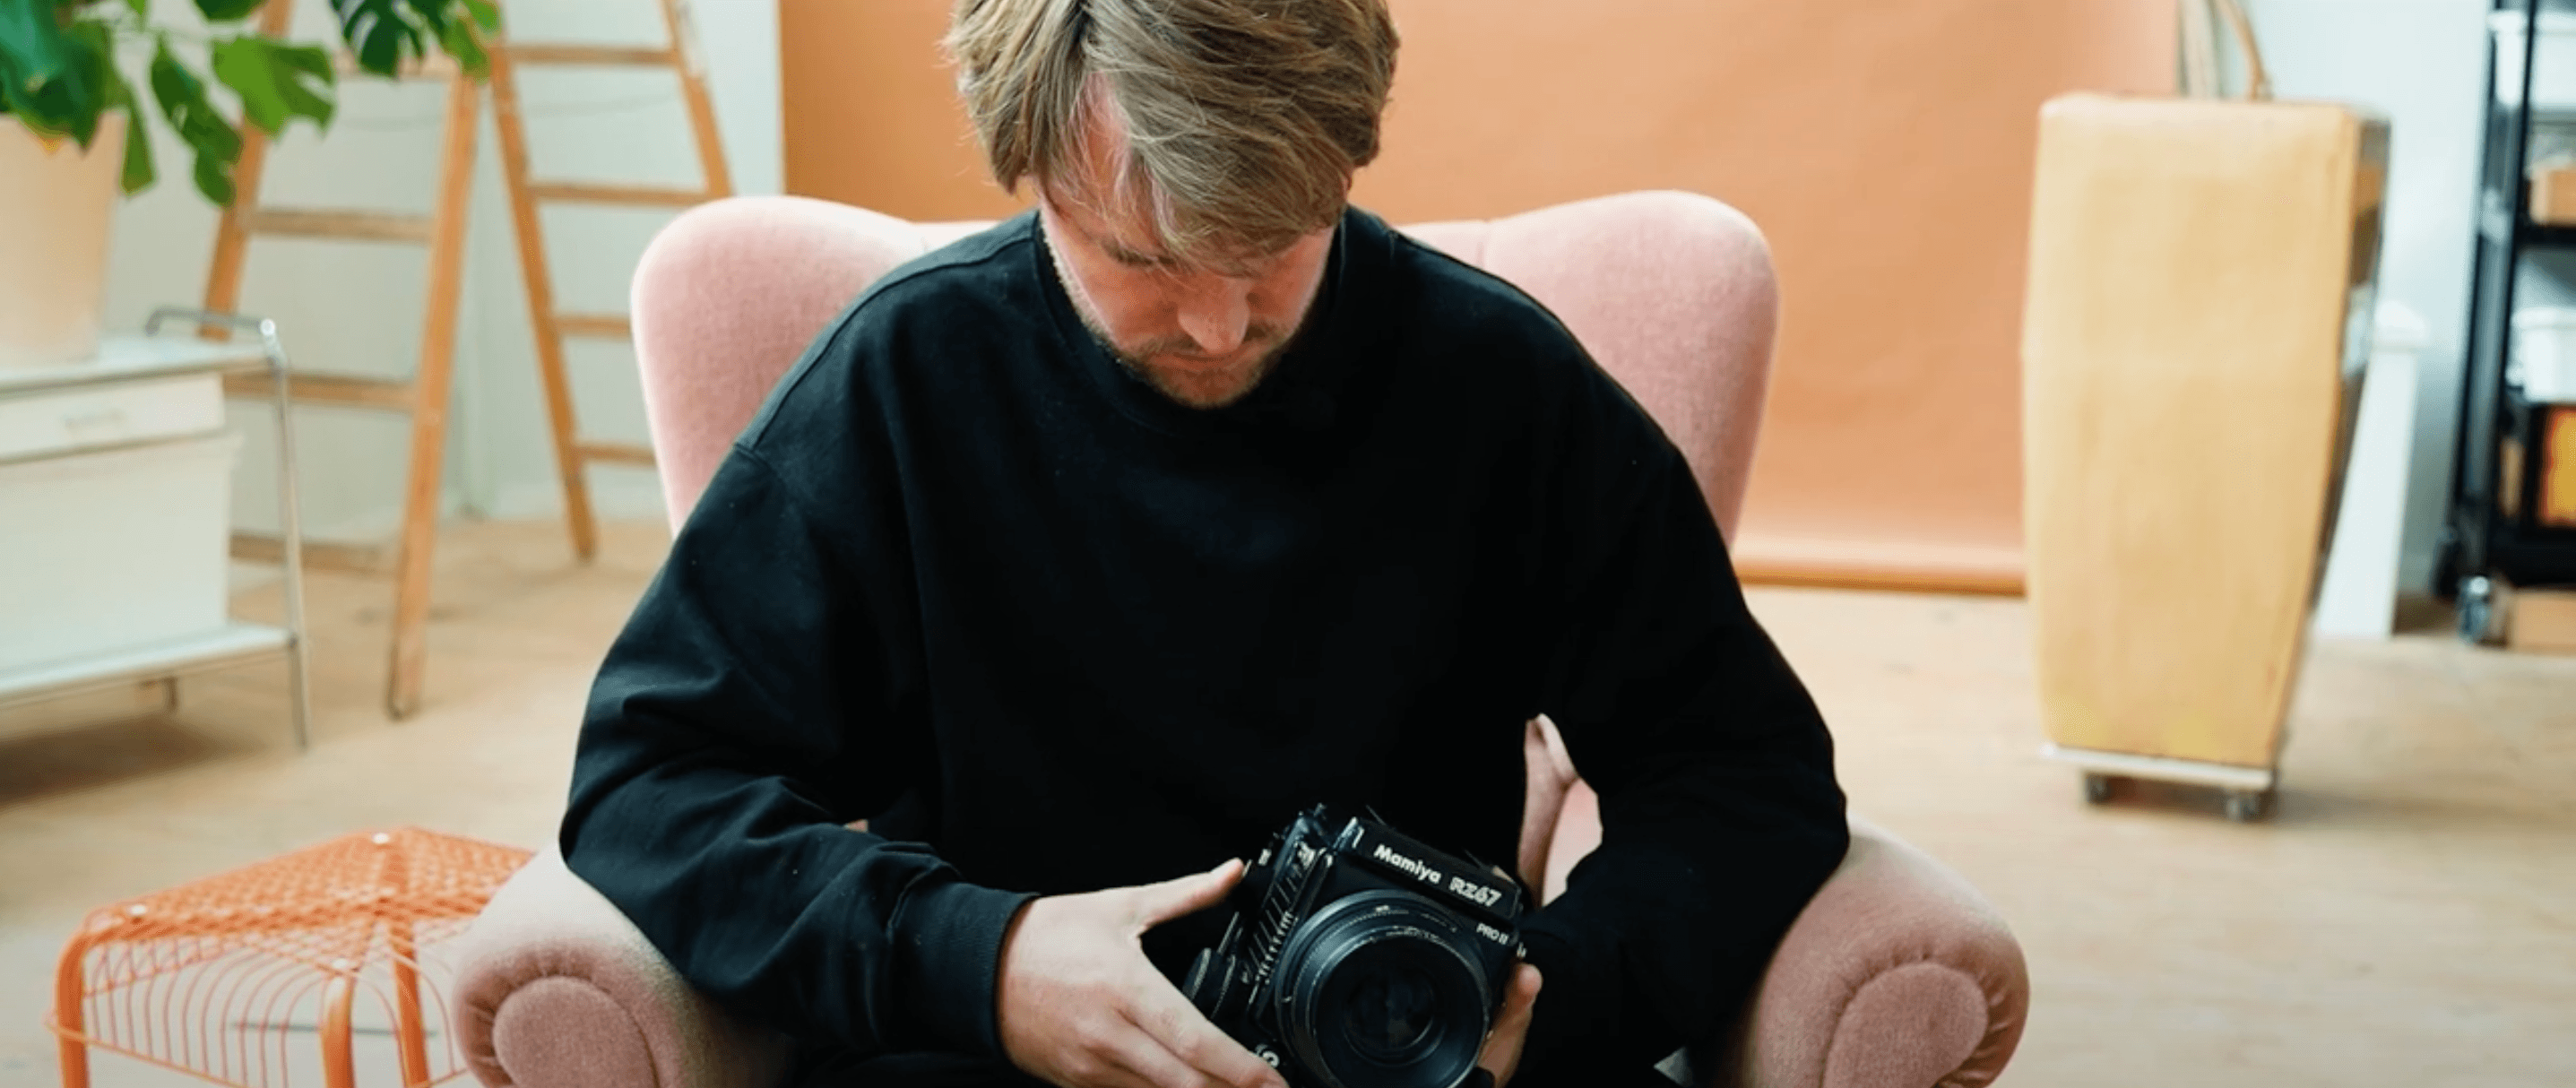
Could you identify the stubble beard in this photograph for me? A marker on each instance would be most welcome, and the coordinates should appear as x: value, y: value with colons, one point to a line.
x: 1203, y: 389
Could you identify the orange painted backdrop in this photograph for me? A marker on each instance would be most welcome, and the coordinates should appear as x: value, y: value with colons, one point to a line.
x: 1886, y: 150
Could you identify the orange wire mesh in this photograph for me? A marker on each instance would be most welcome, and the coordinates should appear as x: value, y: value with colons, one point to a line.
x: 219, y: 978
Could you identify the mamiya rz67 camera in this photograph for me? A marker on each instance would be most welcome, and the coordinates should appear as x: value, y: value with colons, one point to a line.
x: 1359, y: 958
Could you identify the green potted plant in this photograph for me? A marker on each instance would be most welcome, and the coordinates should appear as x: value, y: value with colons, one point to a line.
x: 72, y: 125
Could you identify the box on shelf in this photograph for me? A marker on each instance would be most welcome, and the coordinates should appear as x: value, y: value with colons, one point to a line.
x: 2555, y: 434
x: 2553, y: 193
x: 2544, y: 354
x: 2543, y: 620
x: 2533, y: 619
x: 2558, y: 468
x: 2553, y: 82
x: 114, y: 548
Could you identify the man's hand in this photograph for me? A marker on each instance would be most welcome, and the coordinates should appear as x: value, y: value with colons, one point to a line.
x: 1502, y: 1054
x: 1082, y: 1007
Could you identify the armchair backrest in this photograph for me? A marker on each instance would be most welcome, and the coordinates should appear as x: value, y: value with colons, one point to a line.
x: 1672, y: 293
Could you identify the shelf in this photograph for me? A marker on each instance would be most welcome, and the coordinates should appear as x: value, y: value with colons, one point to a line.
x: 2509, y: 198
x: 2548, y: 236
x: 130, y: 358
x: 2495, y: 224
x: 233, y: 643
x: 2517, y: 408
x: 2530, y: 560
x: 148, y: 357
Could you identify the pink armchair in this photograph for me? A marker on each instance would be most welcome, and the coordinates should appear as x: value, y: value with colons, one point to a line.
x: 1897, y: 975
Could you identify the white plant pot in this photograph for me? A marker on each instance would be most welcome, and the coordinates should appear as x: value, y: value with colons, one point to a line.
x: 56, y: 203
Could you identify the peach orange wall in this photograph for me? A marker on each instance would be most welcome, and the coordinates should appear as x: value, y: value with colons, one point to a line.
x: 1885, y: 148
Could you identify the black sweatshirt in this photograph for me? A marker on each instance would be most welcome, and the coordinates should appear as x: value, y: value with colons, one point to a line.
x: 967, y: 577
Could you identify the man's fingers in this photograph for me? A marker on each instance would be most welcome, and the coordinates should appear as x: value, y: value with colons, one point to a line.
x: 1160, y: 903
x: 1187, y: 1034
x: 1517, y: 1003
x: 1147, y: 1062
x: 1525, y: 985
x: 1502, y: 1053
x: 1513, y: 1021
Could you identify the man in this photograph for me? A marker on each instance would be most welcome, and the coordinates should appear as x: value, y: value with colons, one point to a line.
x: 1078, y: 556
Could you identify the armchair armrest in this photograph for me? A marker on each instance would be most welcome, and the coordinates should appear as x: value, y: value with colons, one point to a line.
x: 556, y: 989
x: 1897, y: 974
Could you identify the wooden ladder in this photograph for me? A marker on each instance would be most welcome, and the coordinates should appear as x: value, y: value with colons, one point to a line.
x: 424, y: 396
x: 573, y: 453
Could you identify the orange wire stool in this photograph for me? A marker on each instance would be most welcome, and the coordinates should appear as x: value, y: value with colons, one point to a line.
x: 209, y: 978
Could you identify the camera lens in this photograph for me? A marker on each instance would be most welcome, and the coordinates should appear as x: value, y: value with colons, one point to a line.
x: 1389, y: 1017
x: 1375, y: 991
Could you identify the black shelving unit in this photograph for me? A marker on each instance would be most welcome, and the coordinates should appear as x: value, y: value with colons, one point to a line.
x: 2484, y: 538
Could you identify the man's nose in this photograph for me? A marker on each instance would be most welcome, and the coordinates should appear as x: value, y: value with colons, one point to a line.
x: 1215, y: 312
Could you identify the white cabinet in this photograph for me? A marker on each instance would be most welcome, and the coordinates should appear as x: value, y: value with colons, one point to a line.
x: 115, y: 508
x: 113, y: 548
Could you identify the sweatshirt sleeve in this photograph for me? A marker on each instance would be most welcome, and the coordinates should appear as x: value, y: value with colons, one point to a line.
x: 1720, y: 811
x: 761, y: 697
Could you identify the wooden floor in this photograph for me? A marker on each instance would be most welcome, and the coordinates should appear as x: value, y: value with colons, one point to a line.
x: 2407, y: 917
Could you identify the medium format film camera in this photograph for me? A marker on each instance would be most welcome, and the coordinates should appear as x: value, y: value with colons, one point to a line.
x: 1359, y: 958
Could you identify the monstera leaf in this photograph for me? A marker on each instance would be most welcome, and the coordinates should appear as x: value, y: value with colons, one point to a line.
x: 276, y: 82
x: 31, y: 43
x: 58, y: 71
x: 217, y: 143
x: 53, y: 77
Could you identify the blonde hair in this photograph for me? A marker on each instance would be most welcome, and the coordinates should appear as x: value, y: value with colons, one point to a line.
x: 1245, y: 119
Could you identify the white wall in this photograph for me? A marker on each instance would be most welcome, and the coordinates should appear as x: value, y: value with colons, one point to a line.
x: 2423, y: 64
x: 357, y: 307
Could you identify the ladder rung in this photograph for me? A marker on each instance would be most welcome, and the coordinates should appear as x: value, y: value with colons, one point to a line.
x: 615, y: 452
x: 560, y: 53
x: 344, y: 390
x: 441, y: 67
x: 318, y: 555
x: 604, y: 326
x: 641, y: 195
x: 363, y: 226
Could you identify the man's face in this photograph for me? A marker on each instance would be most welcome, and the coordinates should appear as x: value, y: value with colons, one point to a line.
x: 1203, y: 335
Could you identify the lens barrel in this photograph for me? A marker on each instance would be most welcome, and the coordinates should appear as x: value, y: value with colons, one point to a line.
x: 1375, y: 992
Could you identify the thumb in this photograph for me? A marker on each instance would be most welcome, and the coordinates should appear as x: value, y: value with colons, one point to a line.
x: 1160, y: 903
x: 1522, y: 997
x: 1501, y: 1056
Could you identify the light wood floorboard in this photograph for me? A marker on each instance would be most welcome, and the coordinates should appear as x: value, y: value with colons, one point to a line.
x: 2406, y: 917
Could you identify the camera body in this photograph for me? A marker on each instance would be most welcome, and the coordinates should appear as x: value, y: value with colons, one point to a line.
x: 1357, y: 957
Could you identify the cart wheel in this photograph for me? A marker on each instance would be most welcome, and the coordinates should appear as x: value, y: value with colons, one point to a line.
x: 2097, y: 787
x: 2246, y: 806
x: 2476, y: 607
